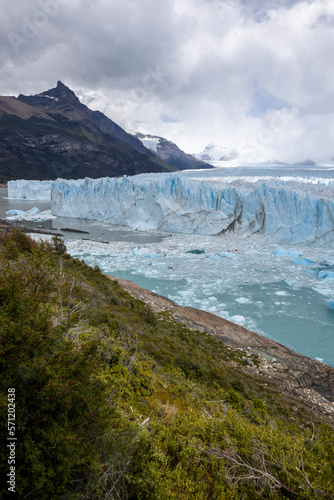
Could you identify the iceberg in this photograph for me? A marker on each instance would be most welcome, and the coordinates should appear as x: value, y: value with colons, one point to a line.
x: 31, y: 215
x: 29, y: 190
x: 15, y: 212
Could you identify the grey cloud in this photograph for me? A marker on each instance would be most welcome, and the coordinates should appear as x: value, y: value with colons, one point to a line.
x: 207, y: 57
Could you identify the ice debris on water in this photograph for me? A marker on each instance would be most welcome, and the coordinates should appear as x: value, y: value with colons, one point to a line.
x: 303, y: 261
x: 280, y: 252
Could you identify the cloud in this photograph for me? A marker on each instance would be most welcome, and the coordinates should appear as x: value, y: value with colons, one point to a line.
x: 194, y: 71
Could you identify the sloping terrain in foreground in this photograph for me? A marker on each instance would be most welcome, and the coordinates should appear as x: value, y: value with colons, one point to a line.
x: 116, y: 401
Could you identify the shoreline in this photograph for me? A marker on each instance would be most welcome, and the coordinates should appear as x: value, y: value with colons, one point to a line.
x: 307, y: 381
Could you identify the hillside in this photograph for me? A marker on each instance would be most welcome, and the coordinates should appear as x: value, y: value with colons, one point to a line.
x: 52, y: 134
x: 114, y: 400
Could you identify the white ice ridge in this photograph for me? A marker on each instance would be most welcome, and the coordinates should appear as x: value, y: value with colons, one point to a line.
x: 30, y: 190
x: 287, y: 211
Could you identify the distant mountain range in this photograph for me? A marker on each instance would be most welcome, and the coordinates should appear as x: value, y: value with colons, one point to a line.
x: 220, y: 156
x: 52, y: 134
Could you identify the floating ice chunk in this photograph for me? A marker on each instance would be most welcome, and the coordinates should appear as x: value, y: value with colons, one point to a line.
x: 31, y: 215
x: 185, y: 293
x: 319, y: 359
x: 15, y: 212
x: 228, y: 255
x: 328, y: 261
x: 212, y: 309
x: 312, y: 271
x: 303, y: 261
x: 280, y: 252
x: 325, y: 275
x: 322, y: 290
x: 331, y: 305
x: 291, y: 282
x: 243, y: 300
x: 240, y: 320
x: 140, y: 252
x: 282, y: 293
x: 33, y: 211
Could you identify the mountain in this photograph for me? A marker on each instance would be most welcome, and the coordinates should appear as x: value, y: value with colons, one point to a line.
x: 52, y: 134
x: 217, y: 153
x: 171, y: 153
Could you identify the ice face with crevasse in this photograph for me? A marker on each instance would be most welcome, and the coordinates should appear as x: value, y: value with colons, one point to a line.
x: 288, y: 210
x: 30, y: 190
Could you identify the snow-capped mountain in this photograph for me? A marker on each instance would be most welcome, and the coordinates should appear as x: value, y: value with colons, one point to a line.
x: 169, y: 152
x: 213, y: 153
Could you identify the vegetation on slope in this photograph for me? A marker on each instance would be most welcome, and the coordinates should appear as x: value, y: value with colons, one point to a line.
x: 114, y: 402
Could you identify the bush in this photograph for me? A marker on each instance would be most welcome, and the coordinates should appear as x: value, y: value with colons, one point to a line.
x: 11, y: 251
x: 58, y: 246
x: 21, y: 240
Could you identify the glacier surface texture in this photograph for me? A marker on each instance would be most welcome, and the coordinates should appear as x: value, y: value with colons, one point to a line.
x: 298, y: 212
x: 30, y: 190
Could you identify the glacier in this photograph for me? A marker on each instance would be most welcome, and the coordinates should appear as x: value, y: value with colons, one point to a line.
x: 30, y: 190
x: 289, y: 211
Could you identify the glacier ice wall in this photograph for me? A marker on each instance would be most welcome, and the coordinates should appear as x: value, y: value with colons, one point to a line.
x: 30, y: 190
x: 287, y: 211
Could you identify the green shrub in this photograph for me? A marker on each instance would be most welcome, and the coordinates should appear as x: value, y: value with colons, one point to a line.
x: 58, y: 246
x: 10, y: 250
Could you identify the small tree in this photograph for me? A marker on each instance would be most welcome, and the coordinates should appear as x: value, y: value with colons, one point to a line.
x: 58, y: 246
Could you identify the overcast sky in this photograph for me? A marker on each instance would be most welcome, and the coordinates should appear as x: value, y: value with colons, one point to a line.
x: 254, y: 75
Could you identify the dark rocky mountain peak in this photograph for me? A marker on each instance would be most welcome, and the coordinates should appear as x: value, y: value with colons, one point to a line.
x: 52, y: 134
x: 60, y: 94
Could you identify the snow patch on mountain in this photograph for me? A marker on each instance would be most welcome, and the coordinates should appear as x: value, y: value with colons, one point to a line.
x: 217, y: 153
